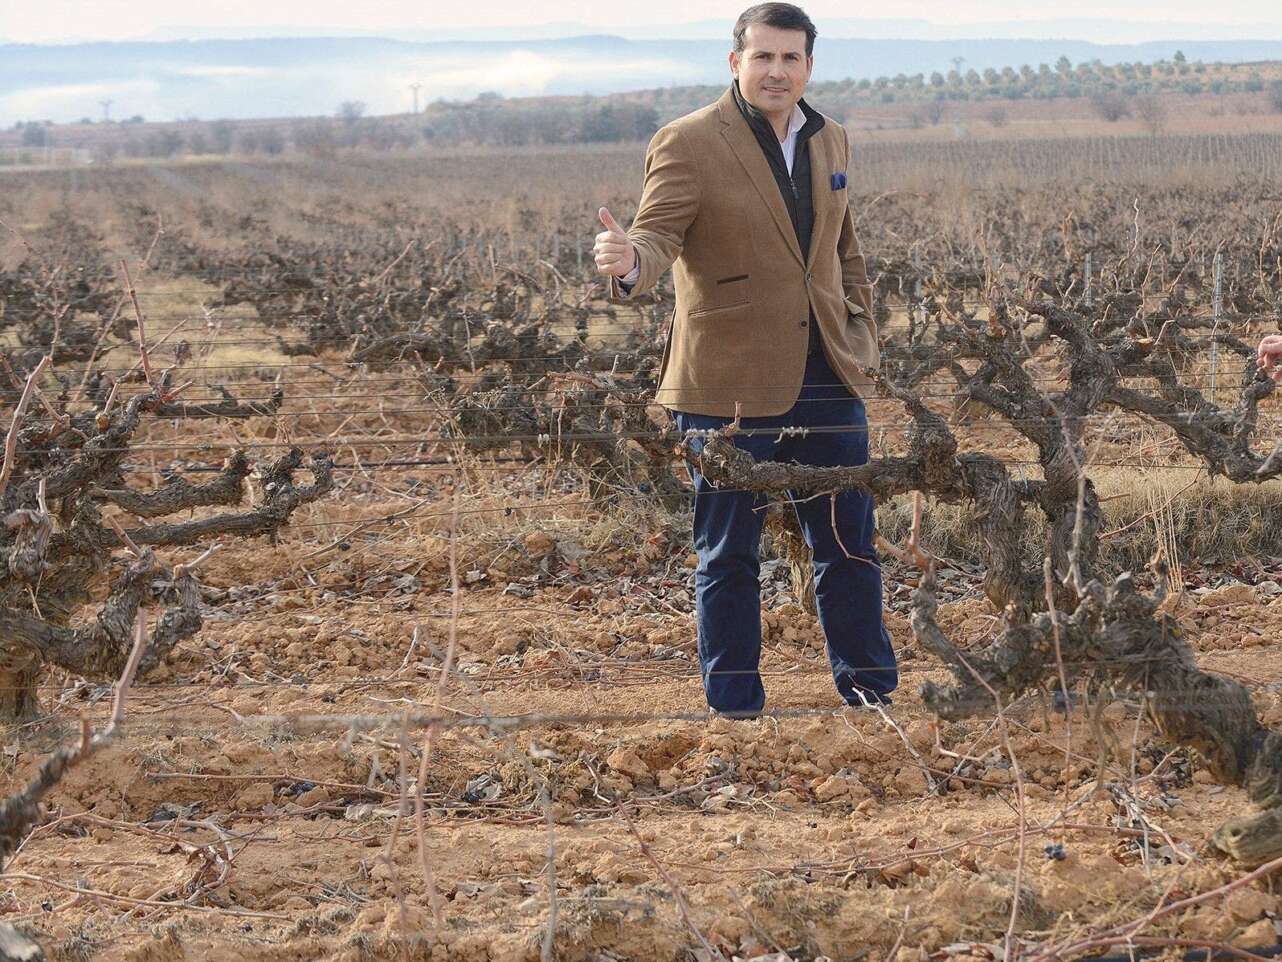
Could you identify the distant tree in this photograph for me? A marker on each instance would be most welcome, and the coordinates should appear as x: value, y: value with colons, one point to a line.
x: 85, y: 120
x: 934, y: 110
x: 350, y: 111
x: 601, y: 125
x: 645, y: 122
x: 1275, y: 96
x: 1152, y: 113
x: 261, y: 140
x: 162, y: 143
x: 996, y: 116
x: 1110, y: 106
x: 105, y: 153
x: 511, y: 128
x: 136, y: 119
x: 222, y: 133
x: 272, y: 140
x: 34, y: 135
x: 936, y: 79
x: 316, y: 138
x: 616, y: 122
x: 1063, y: 66
x: 197, y: 142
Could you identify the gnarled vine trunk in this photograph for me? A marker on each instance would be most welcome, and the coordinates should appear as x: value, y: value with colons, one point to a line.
x: 1103, y: 630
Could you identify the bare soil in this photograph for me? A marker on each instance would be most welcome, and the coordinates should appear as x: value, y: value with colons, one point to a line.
x: 253, y: 807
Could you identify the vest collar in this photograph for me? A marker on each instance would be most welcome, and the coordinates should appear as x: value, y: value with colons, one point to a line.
x: 814, y: 121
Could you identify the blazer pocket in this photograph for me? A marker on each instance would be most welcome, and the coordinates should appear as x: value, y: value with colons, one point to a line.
x: 717, y: 311
x: 852, y: 307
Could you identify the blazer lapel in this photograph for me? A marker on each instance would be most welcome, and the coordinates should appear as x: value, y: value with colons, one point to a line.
x: 820, y: 187
x: 744, y: 144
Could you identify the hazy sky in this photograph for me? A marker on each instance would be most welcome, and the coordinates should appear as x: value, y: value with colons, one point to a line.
x: 44, y: 21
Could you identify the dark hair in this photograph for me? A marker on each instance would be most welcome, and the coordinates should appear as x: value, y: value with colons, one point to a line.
x: 784, y: 16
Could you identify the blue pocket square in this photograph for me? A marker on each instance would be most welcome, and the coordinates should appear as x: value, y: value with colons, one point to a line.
x: 838, y: 180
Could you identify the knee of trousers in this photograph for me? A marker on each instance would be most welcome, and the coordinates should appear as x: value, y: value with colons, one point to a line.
x: 722, y: 568
x: 864, y: 565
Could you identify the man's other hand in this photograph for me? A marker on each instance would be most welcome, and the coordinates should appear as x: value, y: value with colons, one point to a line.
x: 1269, y: 356
x: 615, y: 254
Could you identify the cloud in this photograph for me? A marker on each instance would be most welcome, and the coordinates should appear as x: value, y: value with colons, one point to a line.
x: 218, y: 72
x: 527, y: 73
x: 64, y: 101
x: 163, y: 89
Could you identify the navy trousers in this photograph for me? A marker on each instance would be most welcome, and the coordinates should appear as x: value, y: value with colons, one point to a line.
x: 847, y: 571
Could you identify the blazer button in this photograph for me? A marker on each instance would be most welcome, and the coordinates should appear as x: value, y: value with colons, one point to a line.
x: 810, y: 275
x: 804, y: 324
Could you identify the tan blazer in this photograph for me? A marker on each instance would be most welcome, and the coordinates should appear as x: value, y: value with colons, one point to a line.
x: 711, y: 209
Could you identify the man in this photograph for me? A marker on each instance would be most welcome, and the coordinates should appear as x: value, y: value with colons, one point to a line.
x: 746, y: 199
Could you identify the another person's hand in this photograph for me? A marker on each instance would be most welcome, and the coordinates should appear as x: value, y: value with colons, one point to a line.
x: 614, y: 252
x: 1269, y: 356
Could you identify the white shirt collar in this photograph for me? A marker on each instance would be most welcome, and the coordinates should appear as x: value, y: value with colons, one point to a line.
x: 796, y: 121
x: 789, y: 143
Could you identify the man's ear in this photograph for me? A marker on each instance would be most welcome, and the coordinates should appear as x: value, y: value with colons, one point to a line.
x: 810, y: 65
x: 734, y: 64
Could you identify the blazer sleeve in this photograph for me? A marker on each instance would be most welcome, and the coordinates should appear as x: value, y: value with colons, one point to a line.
x: 669, y: 202
x: 854, y: 272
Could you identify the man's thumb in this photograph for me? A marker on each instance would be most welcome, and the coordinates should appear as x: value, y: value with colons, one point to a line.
x: 608, y: 220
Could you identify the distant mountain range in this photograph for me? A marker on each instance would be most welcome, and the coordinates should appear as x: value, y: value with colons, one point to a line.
x: 308, y: 76
x: 1091, y: 29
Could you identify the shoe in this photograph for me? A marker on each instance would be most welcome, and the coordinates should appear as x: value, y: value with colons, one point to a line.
x: 733, y: 715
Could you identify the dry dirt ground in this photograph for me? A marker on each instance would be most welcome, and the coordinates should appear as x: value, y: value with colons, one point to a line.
x: 572, y: 785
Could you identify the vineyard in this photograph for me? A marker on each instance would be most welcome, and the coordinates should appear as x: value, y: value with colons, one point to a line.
x: 347, y: 595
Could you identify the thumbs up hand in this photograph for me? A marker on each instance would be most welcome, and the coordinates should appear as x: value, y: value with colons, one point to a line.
x: 615, y: 254
x: 1269, y: 356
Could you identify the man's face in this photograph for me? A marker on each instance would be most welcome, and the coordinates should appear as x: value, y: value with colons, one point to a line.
x: 773, y: 68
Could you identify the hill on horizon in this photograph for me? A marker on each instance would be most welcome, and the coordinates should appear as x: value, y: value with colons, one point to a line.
x: 311, y: 76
